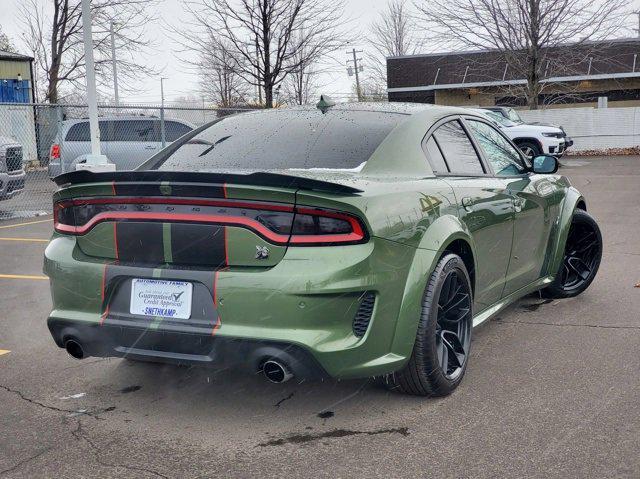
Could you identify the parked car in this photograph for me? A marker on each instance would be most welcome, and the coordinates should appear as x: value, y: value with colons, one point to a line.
x: 126, y: 141
x: 511, y: 114
x: 533, y: 140
x: 346, y: 241
x: 12, y: 174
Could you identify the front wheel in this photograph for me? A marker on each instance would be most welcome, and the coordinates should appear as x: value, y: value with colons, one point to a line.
x: 581, y: 260
x: 530, y: 149
x: 441, y: 350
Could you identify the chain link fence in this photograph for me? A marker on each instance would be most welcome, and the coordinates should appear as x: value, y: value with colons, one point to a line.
x: 40, y: 141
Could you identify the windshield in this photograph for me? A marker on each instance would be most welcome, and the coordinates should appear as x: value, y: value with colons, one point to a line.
x: 498, y: 118
x: 513, y: 116
x: 282, y: 140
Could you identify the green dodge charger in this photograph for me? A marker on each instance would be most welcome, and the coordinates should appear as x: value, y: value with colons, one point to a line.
x: 344, y: 241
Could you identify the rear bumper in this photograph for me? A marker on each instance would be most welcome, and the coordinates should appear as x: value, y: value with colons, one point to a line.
x: 11, y: 184
x: 184, y: 348
x: 307, y: 304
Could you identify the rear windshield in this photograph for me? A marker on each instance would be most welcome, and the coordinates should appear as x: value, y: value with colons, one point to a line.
x: 282, y: 139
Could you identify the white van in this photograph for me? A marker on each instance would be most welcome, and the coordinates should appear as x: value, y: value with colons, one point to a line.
x: 126, y: 141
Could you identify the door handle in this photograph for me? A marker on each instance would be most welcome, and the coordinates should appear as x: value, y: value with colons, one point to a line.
x: 467, y: 203
x: 149, y: 147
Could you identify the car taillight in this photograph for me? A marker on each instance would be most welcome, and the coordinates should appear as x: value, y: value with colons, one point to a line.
x: 277, y: 223
x: 54, y: 153
x: 322, y: 227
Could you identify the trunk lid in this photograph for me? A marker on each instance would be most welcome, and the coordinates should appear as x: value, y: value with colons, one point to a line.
x: 184, y: 219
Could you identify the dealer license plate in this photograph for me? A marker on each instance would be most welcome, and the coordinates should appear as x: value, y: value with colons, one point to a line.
x: 157, y: 297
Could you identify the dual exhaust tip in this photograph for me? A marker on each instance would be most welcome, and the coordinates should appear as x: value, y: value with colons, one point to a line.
x: 273, y: 370
x: 74, y: 348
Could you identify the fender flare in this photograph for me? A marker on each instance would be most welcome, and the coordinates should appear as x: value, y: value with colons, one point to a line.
x: 573, y: 200
x: 435, y: 241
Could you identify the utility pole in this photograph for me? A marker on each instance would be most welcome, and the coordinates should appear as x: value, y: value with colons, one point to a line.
x: 115, y: 67
x: 163, y: 137
x: 356, y: 69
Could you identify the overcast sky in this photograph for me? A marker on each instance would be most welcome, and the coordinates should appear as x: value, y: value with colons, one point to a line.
x: 180, y: 82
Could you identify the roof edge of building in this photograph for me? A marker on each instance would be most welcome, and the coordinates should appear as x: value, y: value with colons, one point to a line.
x: 453, y: 86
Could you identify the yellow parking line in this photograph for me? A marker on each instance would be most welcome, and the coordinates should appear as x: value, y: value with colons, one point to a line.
x: 4, y: 351
x: 26, y: 240
x: 21, y: 276
x: 25, y: 224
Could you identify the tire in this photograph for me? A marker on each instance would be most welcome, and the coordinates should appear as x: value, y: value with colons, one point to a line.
x: 530, y: 149
x: 581, y: 260
x: 424, y: 374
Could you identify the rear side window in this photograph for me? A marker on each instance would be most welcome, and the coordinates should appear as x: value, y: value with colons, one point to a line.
x: 80, y: 131
x: 135, y: 130
x: 457, y: 149
x: 435, y: 156
x: 174, y: 130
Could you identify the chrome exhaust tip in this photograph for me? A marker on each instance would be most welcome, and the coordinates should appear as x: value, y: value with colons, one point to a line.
x: 74, y: 348
x: 276, y: 372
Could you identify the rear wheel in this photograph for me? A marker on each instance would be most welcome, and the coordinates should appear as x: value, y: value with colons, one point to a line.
x: 581, y: 260
x: 441, y: 351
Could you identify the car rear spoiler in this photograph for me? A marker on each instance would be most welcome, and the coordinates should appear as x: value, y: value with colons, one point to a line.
x: 258, y: 179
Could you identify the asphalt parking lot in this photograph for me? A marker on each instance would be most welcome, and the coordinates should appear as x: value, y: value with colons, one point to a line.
x: 552, y: 390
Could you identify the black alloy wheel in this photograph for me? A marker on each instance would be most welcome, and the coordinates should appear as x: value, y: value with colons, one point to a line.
x: 582, y: 255
x: 443, y: 341
x: 453, y: 329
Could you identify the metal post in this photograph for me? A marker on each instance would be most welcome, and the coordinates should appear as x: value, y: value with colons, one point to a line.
x: 163, y: 138
x: 91, y: 81
x: 94, y: 161
x: 115, y: 66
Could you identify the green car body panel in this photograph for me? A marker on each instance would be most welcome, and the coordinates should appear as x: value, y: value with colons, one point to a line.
x: 307, y: 296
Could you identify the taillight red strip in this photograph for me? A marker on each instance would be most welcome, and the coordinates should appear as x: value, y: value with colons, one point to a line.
x: 357, y: 233
x: 173, y: 217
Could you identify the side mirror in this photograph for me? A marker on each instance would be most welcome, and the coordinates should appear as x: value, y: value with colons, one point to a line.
x: 545, y: 164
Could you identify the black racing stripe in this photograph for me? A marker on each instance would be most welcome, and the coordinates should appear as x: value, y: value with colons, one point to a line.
x: 140, y: 242
x: 198, y: 244
x: 175, y: 189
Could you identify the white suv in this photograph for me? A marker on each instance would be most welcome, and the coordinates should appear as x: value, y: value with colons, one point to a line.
x: 533, y: 140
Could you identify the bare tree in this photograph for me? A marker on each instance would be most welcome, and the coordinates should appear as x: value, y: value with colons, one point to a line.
x: 267, y: 37
x: 209, y: 56
x: 54, y: 36
x: 301, y: 85
x: 394, y: 33
x: 6, y: 44
x: 219, y: 81
x: 525, y: 33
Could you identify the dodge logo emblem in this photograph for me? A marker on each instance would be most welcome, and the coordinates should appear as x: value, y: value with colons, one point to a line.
x: 262, y: 252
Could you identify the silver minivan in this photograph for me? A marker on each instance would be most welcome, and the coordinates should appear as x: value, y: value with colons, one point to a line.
x: 126, y: 141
